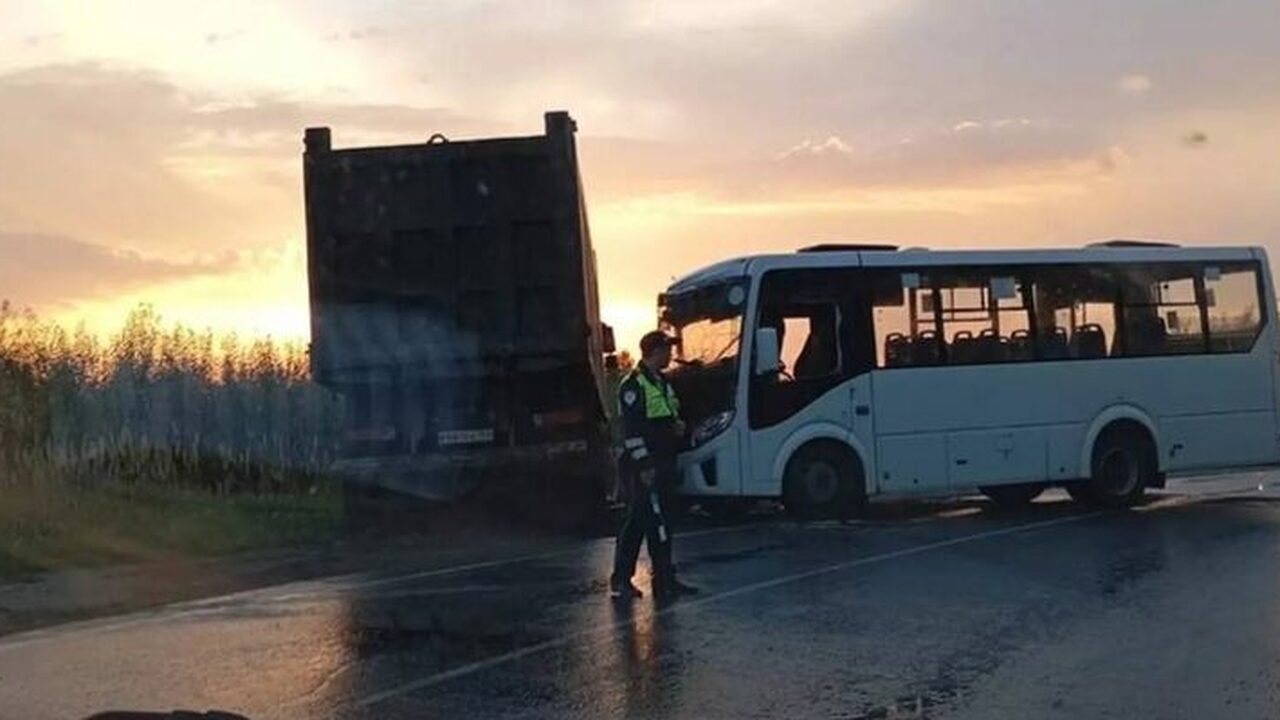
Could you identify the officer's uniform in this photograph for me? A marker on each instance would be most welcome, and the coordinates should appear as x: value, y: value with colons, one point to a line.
x: 649, y: 409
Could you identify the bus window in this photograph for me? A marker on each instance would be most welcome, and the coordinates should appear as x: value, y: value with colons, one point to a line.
x: 794, y: 335
x: 813, y: 313
x: 1013, y: 317
x: 904, y: 321
x: 1075, y: 312
x: 1160, y: 310
x: 984, y: 318
x: 810, y: 342
x: 1232, y: 300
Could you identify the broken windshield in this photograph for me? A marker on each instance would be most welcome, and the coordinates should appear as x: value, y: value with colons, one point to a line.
x: 707, y: 321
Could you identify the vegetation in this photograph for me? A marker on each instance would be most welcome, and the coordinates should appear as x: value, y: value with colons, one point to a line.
x: 160, y: 438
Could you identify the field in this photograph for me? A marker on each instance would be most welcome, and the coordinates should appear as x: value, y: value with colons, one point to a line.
x: 155, y: 442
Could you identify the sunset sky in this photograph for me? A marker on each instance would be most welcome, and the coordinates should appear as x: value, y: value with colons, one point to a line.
x: 150, y: 149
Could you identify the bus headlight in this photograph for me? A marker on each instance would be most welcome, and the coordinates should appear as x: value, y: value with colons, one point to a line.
x: 711, y: 427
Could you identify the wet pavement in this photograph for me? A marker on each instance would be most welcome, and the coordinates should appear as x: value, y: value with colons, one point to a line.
x: 924, y: 610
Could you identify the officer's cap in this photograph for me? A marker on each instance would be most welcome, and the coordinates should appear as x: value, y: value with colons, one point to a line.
x: 654, y: 340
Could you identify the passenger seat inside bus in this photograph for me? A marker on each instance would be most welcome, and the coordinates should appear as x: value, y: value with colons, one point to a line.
x: 1089, y: 341
x: 1147, y: 335
x: 902, y: 351
x: 928, y: 348
x: 1053, y: 344
x: 897, y: 350
x: 1020, y: 348
x: 965, y: 348
x: 992, y: 347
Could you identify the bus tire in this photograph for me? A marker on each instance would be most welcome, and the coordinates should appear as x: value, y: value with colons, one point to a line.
x: 1123, y: 465
x: 823, y: 480
x: 1013, y: 497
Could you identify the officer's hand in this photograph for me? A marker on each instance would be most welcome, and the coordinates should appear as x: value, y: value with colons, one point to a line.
x: 680, y: 427
x: 647, y: 477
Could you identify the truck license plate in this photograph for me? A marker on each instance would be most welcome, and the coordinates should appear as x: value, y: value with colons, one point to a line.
x: 464, y: 437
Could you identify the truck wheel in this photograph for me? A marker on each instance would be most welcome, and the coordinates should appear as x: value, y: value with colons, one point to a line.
x: 1013, y: 497
x: 1123, y: 465
x: 823, y: 480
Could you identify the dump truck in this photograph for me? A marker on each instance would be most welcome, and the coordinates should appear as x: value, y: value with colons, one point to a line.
x: 454, y: 308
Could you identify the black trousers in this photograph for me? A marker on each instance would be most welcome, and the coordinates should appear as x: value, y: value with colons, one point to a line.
x: 646, y: 520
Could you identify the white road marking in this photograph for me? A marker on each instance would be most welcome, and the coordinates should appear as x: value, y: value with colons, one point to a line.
x: 315, y: 589
x: 609, y: 629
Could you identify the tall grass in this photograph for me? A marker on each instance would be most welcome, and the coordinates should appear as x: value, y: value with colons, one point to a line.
x: 159, y: 404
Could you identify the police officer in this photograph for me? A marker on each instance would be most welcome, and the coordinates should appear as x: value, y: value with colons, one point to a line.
x: 652, y: 431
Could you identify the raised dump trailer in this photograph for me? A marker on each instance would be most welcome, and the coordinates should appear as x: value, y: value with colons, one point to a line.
x: 454, y: 307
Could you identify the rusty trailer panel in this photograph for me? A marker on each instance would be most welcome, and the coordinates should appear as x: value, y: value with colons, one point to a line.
x: 453, y: 296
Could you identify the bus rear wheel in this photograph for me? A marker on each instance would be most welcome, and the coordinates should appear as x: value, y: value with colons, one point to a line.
x: 1123, y: 465
x: 823, y: 480
x: 1013, y: 497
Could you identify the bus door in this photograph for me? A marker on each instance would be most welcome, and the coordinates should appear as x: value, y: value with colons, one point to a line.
x: 824, y: 388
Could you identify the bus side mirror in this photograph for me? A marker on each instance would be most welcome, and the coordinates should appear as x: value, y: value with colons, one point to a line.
x: 767, y: 353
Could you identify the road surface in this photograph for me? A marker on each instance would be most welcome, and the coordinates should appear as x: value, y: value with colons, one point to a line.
x: 947, y: 610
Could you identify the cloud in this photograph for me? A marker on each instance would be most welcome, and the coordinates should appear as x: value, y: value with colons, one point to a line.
x: 968, y: 153
x: 945, y: 104
x: 832, y: 145
x: 51, y: 270
x: 128, y: 157
x: 1134, y: 84
x: 280, y: 120
x: 731, y: 71
x: 1002, y: 123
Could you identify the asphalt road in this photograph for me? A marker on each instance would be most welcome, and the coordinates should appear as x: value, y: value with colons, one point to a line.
x: 940, y: 610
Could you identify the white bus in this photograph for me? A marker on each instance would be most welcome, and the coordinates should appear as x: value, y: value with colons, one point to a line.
x: 838, y: 373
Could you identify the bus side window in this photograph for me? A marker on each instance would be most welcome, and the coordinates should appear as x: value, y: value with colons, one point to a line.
x: 1160, y: 309
x: 894, y: 346
x: 985, y: 317
x: 903, y: 320
x: 1233, y: 304
x: 812, y: 311
x: 810, y: 341
x: 1075, y: 312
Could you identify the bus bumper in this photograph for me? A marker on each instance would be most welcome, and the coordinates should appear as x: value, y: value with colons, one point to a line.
x: 712, y: 469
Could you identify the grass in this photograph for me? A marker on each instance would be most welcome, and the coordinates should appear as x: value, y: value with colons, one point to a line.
x: 50, y: 525
x: 158, y: 443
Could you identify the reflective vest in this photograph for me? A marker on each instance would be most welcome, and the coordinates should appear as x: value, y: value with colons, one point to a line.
x: 660, y: 401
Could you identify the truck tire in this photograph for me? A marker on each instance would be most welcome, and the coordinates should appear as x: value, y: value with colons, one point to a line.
x: 1013, y: 497
x: 1123, y: 465
x: 823, y: 480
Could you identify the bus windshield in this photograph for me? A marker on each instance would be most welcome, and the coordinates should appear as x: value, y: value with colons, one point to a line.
x: 708, y: 323
x: 709, y: 341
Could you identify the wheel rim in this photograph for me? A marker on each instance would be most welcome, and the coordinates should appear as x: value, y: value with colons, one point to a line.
x: 821, y: 483
x: 1118, y: 472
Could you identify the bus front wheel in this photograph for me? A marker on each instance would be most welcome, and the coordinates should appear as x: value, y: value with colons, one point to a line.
x: 823, y: 480
x: 1123, y: 465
